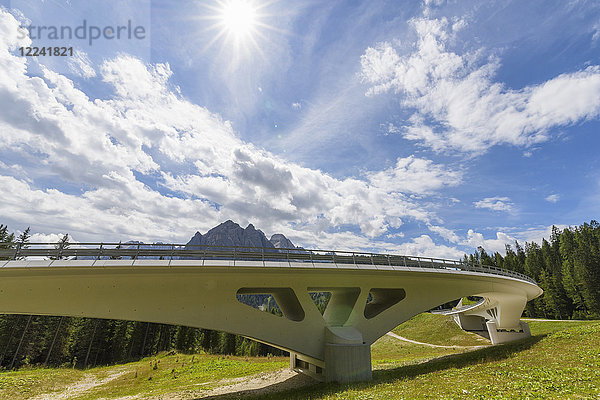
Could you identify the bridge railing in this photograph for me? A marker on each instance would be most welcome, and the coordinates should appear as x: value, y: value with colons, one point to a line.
x: 159, y: 251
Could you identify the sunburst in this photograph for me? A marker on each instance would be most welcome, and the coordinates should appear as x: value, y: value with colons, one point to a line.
x: 238, y: 24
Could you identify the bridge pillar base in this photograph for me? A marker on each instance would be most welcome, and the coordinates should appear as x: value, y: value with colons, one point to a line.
x: 498, y: 336
x: 347, y: 362
x: 308, y: 366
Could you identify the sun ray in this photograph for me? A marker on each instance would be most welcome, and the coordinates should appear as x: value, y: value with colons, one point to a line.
x: 239, y: 25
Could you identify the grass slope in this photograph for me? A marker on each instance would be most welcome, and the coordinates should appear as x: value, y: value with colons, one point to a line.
x: 438, y: 329
x: 151, y: 376
x: 561, y: 360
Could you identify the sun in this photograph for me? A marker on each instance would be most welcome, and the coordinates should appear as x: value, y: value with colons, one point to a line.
x: 239, y: 26
x: 239, y: 18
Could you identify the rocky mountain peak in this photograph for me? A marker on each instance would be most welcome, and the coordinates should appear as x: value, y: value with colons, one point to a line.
x: 281, y: 242
x: 230, y: 233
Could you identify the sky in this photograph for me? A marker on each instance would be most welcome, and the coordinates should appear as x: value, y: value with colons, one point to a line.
x: 420, y: 128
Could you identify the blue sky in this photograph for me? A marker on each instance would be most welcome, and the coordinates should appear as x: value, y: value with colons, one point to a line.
x: 423, y: 128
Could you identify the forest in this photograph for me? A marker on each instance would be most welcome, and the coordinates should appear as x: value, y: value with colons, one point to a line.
x: 566, y: 266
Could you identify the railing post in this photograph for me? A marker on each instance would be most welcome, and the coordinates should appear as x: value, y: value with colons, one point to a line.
x: 311, y: 258
x: 388, y: 258
x: 172, y: 250
x: 99, y: 252
x: 287, y: 254
x: 372, y: 260
x: 262, y: 251
x: 353, y: 258
x: 234, y: 254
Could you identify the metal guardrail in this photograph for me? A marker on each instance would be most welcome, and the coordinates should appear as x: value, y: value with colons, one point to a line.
x: 134, y: 251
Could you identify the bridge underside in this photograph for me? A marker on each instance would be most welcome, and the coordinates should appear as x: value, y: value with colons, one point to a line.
x: 334, y: 346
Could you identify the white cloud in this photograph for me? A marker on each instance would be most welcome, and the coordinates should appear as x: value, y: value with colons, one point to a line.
x: 147, y: 132
x: 425, y: 247
x: 395, y: 235
x: 81, y: 65
x: 415, y: 175
x: 535, y: 234
x: 596, y: 32
x: 456, y: 101
x: 495, y: 204
x: 49, y: 238
x: 296, y: 106
x: 475, y: 239
x: 446, y: 233
x: 553, y: 198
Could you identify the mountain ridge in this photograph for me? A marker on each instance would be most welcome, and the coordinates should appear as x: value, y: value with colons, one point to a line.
x: 230, y: 233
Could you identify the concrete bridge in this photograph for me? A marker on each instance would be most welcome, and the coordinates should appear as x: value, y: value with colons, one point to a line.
x: 370, y: 294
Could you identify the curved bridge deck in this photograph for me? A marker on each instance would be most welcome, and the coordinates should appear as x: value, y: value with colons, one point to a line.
x: 370, y: 294
x: 230, y: 255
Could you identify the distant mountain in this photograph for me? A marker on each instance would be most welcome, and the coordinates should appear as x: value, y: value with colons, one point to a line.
x: 231, y: 234
x: 226, y: 234
x: 281, y: 242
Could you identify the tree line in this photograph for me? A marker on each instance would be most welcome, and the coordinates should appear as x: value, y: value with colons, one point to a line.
x: 566, y: 267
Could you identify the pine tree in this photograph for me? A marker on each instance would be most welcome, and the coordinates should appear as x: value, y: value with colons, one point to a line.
x: 61, y: 245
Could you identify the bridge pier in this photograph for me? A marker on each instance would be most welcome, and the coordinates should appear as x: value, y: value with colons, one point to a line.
x: 347, y: 358
x: 347, y: 362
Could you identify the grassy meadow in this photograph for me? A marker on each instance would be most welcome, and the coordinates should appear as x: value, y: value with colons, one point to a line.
x: 561, y: 360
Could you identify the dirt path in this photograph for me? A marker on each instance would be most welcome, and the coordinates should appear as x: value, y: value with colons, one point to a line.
x: 269, y: 382
x: 392, y: 334
x: 78, y: 388
x: 266, y: 382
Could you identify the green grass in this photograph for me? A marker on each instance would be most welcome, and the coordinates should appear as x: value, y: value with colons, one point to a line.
x: 438, y: 329
x: 183, y: 372
x: 560, y: 361
x: 389, y: 352
x: 150, y: 376
x: 27, y: 382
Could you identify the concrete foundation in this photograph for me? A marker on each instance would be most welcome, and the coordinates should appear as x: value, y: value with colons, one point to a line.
x: 498, y: 336
x: 347, y: 362
x: 308, y: 366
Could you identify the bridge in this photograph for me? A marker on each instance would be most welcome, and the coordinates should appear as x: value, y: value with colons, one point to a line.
x: 203, y: 286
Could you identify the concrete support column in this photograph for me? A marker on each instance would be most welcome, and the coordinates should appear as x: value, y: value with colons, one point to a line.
x: 347, y: 357
x: 347, y: 362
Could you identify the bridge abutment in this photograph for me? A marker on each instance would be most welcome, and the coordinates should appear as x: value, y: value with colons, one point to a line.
x: 498, y: 336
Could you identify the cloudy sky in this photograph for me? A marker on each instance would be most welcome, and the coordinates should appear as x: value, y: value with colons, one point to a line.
x: 419, y: 128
